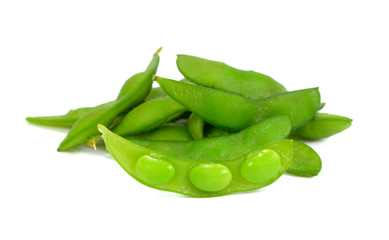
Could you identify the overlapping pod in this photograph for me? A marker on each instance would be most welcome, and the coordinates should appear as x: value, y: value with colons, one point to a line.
x: 219, y: 75
x: 176, y: 131
x: 132, y: 93
x: 200, y: 178
x: 68, y: 119
x: 323, y: 125
x: 224, y: 147
x: 234, y: 112
x: 65, y: 120
x: 305, y: 162
x: 149, y: 115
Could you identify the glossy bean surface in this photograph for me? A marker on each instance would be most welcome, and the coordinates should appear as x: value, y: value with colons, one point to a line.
x: 196, y: 126
x: 219, y: 75
x: 188, y: 176
x: 234, y: 112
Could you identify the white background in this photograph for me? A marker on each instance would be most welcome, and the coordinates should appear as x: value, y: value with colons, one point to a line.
x: 60, y: 55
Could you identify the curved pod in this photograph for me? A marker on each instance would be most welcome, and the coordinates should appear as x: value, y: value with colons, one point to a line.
x: 127, y: 154
x: 224, y: 147
x: 219, y: 75
x: 149, y: 115
x: 233, y: 112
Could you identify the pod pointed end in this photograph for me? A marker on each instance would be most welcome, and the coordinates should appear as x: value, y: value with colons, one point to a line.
x: 159, y: 50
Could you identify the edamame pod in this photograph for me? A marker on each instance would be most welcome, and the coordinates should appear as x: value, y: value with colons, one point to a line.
x: 225, y: 147
x: 219, y: 75
x: 200, y: 178
x: 305, y: 162
x: 233, y: 112
x: 322, y: 125
x: 136, y: 88
x: 196, y: 126
x: 66, y: 120
x: 149, y: 115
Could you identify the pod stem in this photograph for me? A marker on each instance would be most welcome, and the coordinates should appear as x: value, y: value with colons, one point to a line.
x: 159, y: 49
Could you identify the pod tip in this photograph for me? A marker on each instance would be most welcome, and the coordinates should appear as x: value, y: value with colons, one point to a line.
x: 159, y: 50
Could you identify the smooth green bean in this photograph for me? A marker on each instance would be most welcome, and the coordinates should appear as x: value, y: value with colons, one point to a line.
x: 196, y: 126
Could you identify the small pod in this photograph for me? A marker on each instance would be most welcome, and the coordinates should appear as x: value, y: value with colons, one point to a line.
x: 305, y: 162
x: 323, y: 125
x: 200, y: 178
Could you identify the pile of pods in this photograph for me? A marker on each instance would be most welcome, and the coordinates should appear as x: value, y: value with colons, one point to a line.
x: 218, y: 131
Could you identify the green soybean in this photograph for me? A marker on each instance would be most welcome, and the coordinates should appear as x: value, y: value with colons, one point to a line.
x: 154, y: 170
x: 210, y: 177
x: 261, y: 166
x: 200, y: 183
x: 234, y: 112
x: 136, y: 89
x: 224, y: 147
x: 323, y: 125
x: 219, y: 75
x: 196, y: 126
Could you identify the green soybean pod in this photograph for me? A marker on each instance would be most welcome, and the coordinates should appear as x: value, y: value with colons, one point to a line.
x: 233, y: 112
x: 322, y: 125
x: 136, y: 88
x: 66, y: 120
x: 224, y: 147
x: 305, y: 162
x: 219, y: 75
x: 192, y: 177
x: 166, y: 132
x: 196, y: 126
x: 149, y: 115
